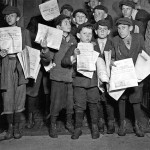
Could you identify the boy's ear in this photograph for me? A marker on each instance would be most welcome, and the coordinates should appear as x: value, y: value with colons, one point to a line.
x: 130, y: 28
x: 78, y: 35
x: 74, y: 20
x: 105, y: 15
x: 86, y: 20
x: 108, y: 32
x: 18, y: 18
x: 96, y: 32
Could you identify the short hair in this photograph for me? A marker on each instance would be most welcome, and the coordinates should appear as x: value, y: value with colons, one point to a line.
x: 66, y: 6
x: 85, y: 25
x: 60, y: 18
x: 81, y: 11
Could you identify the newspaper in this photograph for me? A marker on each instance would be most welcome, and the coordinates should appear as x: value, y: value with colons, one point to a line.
x: 11, y: 39
x: 30, y: 61
x: 52, y: 35
x: 49, y: 10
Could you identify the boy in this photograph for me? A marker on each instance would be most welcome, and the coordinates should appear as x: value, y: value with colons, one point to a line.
x: 79, y: 17
x: 100, y: 12
x: 67, y: 10
x: 127, y: 7
x: 13, y: 83
x: 33, y: 88
x: 89, y: 6
x: 129, y: 45
x: 61, y: 78
x: 103, y: 29
x: 85, y: 89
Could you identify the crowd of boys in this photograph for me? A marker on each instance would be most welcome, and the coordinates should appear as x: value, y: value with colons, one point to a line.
x: 64, y: 87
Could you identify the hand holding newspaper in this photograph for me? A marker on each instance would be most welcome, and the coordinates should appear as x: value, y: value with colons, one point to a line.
x: 11, y: 39
x: 52, y: 36
x: 123, y: 75
x: 30, y: 61
x: 49, y: 10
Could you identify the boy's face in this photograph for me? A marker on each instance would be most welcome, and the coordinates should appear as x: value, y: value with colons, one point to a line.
x: 85, y: 35
x: 12, y: 19
x: 67, y: 12
x: 99, y: 15
x: 93, y: 3
x: 66, y: 25
x: 127, y: 11
x: 124, y: 30
x: 80, y: 18
x: 102, y: 32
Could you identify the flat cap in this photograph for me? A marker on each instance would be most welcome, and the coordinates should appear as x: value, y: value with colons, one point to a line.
x: 60, y: 18
x: 11, y: 9
x: 66, y: 6
x: 102, y: 23
x: 87, y: 24
x: 127, y: 3
x: 80, y: 10
x: 101, y: 7
x: 124, y: 21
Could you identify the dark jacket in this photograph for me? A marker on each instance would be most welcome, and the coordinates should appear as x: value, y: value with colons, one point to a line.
x: 4, y: 72
x: 58, y: 73
x: 120, y: 51
x: 78, y: 79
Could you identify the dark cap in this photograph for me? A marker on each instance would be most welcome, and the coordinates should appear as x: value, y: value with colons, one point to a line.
x: 101, y: 7
x: 102, y: 23
x: 66, y: 6
x: 11, y: 9
x: 127, y: 3
x: 60, y: 18
x: 81, y: 11
x: 87, y: 24
x: 124, y: 21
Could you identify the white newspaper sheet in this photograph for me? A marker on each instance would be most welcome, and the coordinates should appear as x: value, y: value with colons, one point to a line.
x: 142, y: 66
x: 30, y: 61
x: 50, y: 66
x: 52, y: 35
x: 11, y: 39
x: 86, y: 60
x: 102, y: 70
x: 107, y: 55
x: 49, y: 10
x: 123, y: 75
x: 116, y: 94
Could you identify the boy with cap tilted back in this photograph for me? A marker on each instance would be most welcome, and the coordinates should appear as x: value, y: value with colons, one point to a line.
x: 103, y: 29
x: 67, y: 10
x: 129, y: 45
x: 100, y: 12
x: 127, y: 8
x: 61, y: 78
x: 85, y: 89
x: 13, y: 82
x: 79, y: 17
x: 89, y: 6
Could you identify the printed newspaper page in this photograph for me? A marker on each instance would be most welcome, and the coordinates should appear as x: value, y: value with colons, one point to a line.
x: 123, y: 75
x: 11, y: 39
x: 30, y: 61
x: 86, y: 60
x: 49, y: 10
x: 52, y: 35
x: 142, y: 66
